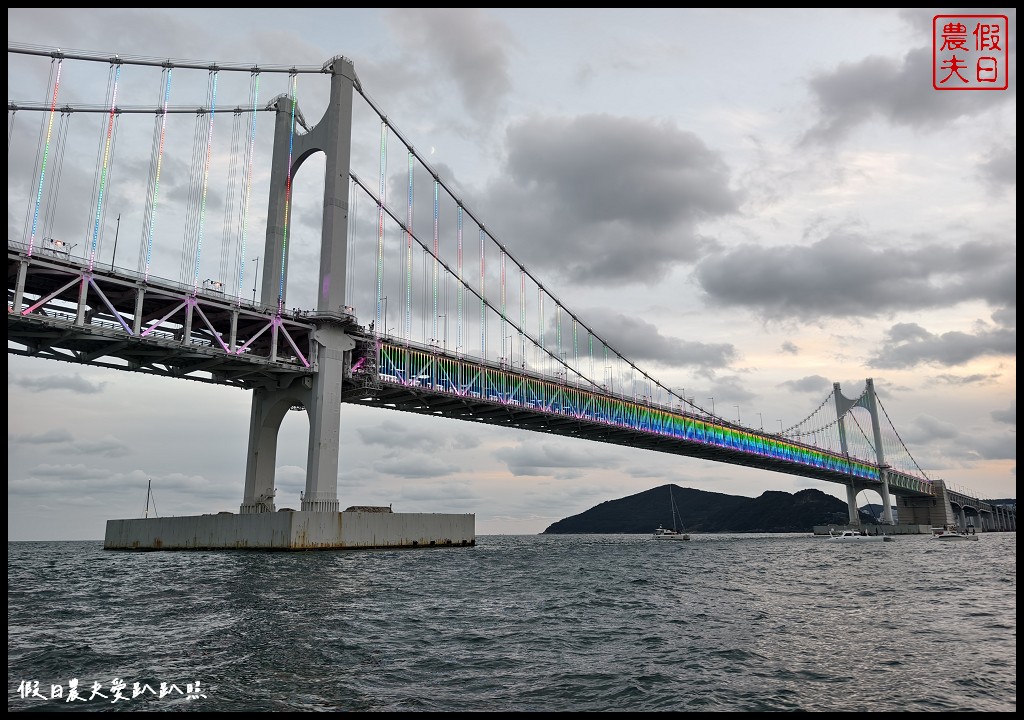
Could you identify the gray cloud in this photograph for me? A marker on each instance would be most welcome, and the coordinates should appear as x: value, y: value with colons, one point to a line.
x: 928, y: 428
x: 815, y: 384
x: 726, y: 390
x: 414, y: 465
x: 55, y: 435
x: 788, y: 347
x: 107, y: 447
x: 75, y: 383
x: 909, y: 344
x: 976, y: 379
x: 394, y: 434
x: 465, y: 45
x: 464, y: 441
x: 545, y: 458
x: 846, y: 275
x: 897, y: 90
x: 641, y: 341
x: 999, y: 169
x: 1006, y: 317
x: 592, y: 199
x: 992, y: 447
x: 1008, y: 416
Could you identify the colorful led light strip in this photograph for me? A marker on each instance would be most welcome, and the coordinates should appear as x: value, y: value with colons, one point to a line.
x: 159, y: 167
x: 437, y: 186
x: 459, y: 262
x: 46, y: 155
x: 558, y: 331
x: 414, y: 367
x: 248, y: 184
x: 540, y: 319
x: 483, y: 303
x: 288, y: 194
x: 408, y: 257
x: 575, y: 347
x: 103, y: 173
x: 380, y: 220
x: 502, y: 265
x: 522, y: 313
x: 206, y: 179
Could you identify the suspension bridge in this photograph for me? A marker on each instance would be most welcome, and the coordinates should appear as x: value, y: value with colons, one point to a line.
x: 415, y: 305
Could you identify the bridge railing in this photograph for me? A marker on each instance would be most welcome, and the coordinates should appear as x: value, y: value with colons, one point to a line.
x: 63, y: 291
x: 428, y: 369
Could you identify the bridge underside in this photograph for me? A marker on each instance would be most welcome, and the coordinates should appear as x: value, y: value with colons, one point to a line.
x: 54, y: 339
x: 473, y: 409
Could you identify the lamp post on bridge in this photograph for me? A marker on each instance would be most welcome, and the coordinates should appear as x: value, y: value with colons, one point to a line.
x: 444, y: 342
x: 712, y: 406
x: 761, y: 418
x: 738, y: 421
x: 682, y: 398
x: 255, y: 279
x: 780, y: 427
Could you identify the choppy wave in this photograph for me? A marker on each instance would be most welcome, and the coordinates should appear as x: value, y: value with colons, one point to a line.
x: 738, y: 623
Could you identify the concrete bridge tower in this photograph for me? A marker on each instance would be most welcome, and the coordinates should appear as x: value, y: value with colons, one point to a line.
x: 843, y: 406
x: 319, y: 394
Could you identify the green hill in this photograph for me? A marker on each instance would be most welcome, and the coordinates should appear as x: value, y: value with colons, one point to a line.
x: 709, y: 512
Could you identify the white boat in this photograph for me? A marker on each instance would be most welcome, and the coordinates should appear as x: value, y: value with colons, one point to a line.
x: 856, y: 537
x: 953, y: 534
x: 675, y: 532
x: 664, y: 533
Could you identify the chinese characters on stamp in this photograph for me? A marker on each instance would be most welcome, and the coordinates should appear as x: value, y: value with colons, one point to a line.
x: 970, y: 52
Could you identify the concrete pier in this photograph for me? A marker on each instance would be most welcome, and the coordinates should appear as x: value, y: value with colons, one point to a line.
x: 292, y: 530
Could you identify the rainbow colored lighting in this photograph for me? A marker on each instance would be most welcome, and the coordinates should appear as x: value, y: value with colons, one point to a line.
x: 206, y: 180
x: 502, y: 263
x: 46, y: 155
x: 380, y: 219
x: 288, y: 193
x: 407, y: 366
x: 461, y: 284
x: 437, y: 185
x: 159, y: 167
x: 106, y: 168
x: 522, y: 313
x: 248, y: 182
x: 483, y: 302
x: 408, y: 257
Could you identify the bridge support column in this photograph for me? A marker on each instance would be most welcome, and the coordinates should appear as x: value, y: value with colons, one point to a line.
x: 851, y: 504
x: 268, y: 410
x: 325, y: 421
x: 886, y: 500
x: 321, y: 392
x: 320, y: 396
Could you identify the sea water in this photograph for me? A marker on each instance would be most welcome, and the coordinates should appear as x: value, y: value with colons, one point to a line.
x: 573, y: 623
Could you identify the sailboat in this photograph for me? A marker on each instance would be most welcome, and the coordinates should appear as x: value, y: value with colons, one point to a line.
x: 149, y: 496
x: 676, y: 532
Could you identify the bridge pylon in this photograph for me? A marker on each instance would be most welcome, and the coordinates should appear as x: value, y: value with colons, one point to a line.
x: 320, y: 393
x: 868, y: 402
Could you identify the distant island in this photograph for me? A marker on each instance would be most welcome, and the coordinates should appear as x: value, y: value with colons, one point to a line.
x: 710, y: 512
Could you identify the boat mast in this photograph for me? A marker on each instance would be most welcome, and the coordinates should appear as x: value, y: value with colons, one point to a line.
x: 675, y: 513
x: 149, y: 490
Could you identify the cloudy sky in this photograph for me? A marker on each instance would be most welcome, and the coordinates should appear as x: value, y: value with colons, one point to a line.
x: 749, y: 204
